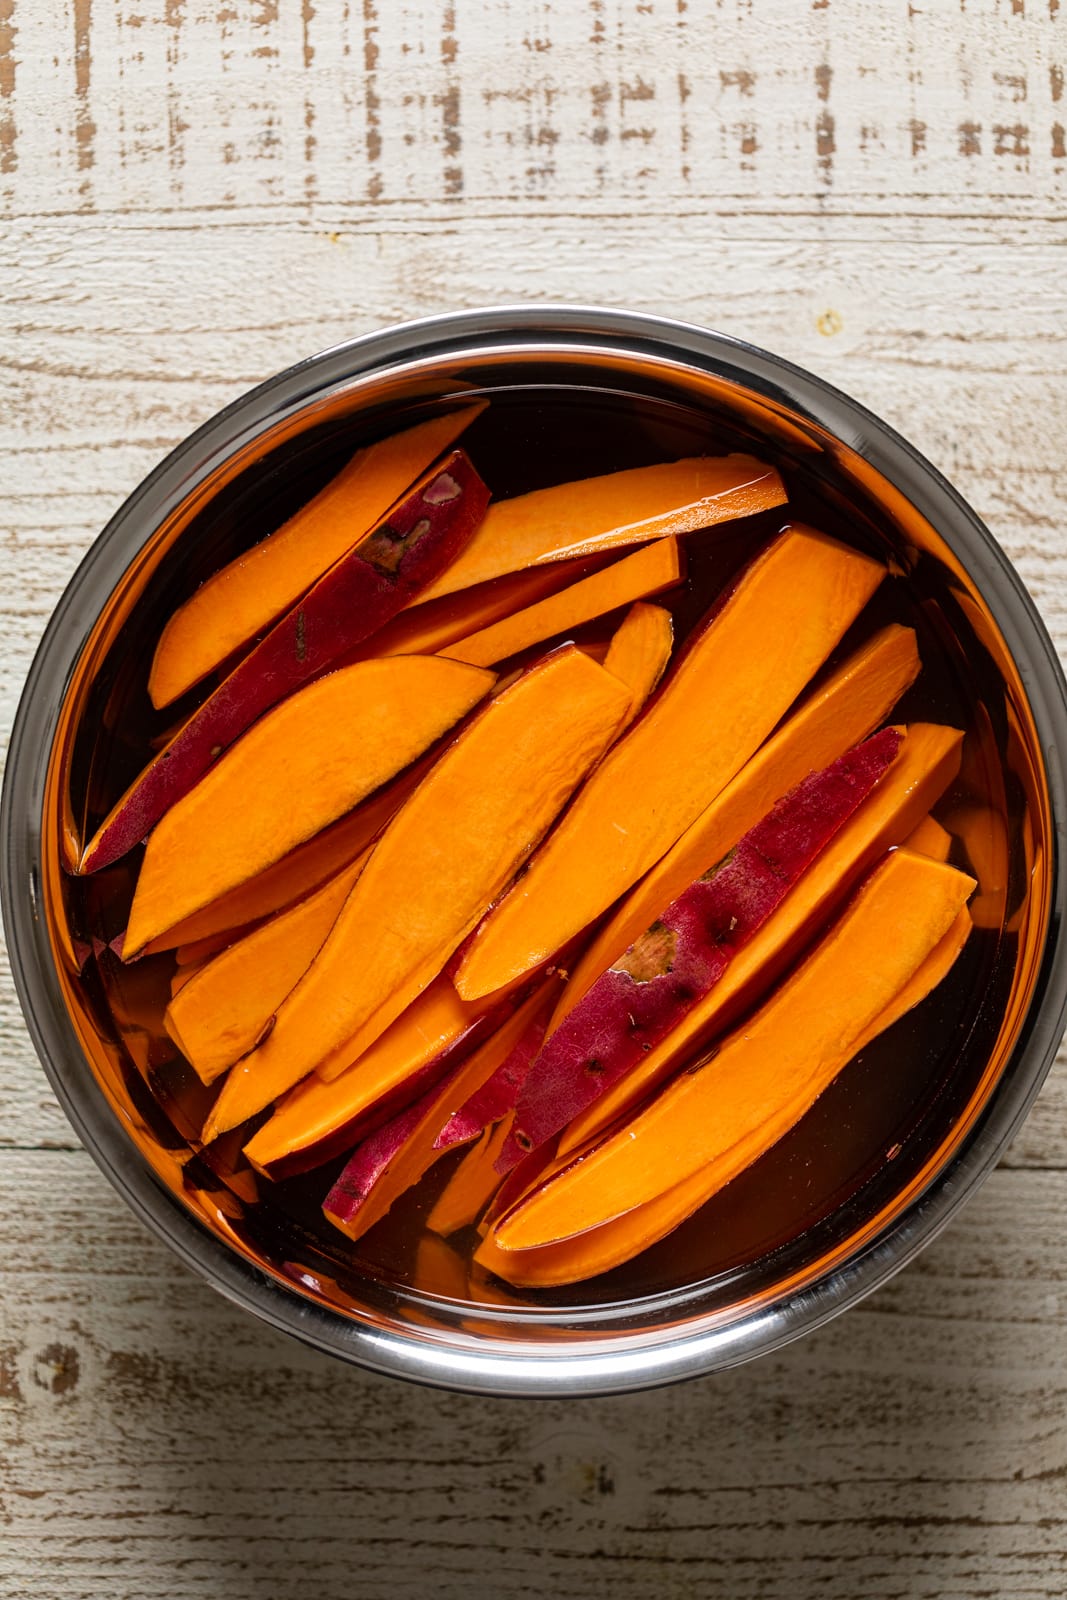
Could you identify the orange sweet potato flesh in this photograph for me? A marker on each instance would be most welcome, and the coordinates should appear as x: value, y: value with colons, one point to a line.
x: 472, y: 1185
x: 853, y: 701
x: 425, y: 629
x: 984, y: 835
x: 927, y: 763
x: 930, y: 839
x: 239, y: 601
x: 727, y: 692
x: 639, y: 651
x: 447, y: 853
x: 609, y: 1245
x: 315, y: 1110
x: 183, y: 976
x: 714, y: 1122
x: 648, y: 570
x: 620, y: 508
x: 419, y: 1151
x: 300, y: 871
x: 439, y: 1270
x: 302, y: 765
x: 219, y: 1015
x: 196, y: 952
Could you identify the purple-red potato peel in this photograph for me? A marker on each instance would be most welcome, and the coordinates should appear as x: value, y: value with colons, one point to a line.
x: 246, y: 596
x: 717, y: 1120
x: 492, y: 1099
x: 737, y: 677
x: 927, y: 763
x: 682, y: 956
x: 360, y: 592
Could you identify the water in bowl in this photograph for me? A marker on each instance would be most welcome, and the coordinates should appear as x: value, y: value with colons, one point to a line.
x: 871, y: 1136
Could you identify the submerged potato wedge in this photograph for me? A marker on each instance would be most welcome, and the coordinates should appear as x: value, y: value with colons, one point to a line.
x: 221, y: 1012
x: 647, y: 571
x: 639, y: 651
x: 716, y: 1121
x: 619, y: 508
x: 298, y: 873
x: 853, y: 701
x: 237, y: 602
x: 447, y: 853
x: 737, y: 677
x: 302, y: 765
x: 923, y: 770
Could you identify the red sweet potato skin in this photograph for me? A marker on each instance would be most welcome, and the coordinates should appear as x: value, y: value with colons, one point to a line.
x: 497, y: 1095
x: 360, y: 1128
x: 355, y: 597
x: 371, y: 1159
x: 682, y: 956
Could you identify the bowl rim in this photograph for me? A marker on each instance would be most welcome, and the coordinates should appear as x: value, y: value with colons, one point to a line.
x: 609, y: 1365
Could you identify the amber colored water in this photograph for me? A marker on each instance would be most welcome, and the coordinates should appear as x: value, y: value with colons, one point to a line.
x: 870, y: 1133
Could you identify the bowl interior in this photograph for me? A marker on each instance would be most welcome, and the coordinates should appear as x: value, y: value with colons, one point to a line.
x: 895, y: 1118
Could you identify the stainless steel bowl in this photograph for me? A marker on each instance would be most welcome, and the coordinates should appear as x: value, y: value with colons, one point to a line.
x: 183, y: 513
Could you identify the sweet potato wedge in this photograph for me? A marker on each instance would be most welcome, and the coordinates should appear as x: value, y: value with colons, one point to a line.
x: 443, y: 858
x: 681, y: 957
x: 984, y: 835
x: 313, y: 1122
x: 471, y: 1187
x: 425, y: 628
x: 221, y: 1013
x: 303, y: 869
x: 930, y: 839
x: 639, y: 651
x: 367, y: 586
x: 742, y: 672
x: 498, y: 1095
x: 305, y: 763
x: 367, y: 1189
x: 716, y: 1121
x: 277, y: 1163
x: 609, y: 1245
x: 620, y: 508
x: 243, y: 598
x: 853, y: 701
x: 371, y: 1162
x: 646, y: 571
x: 927, y: 763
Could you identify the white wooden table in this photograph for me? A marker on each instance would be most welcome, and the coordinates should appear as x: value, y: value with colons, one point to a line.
x: 195, y: 193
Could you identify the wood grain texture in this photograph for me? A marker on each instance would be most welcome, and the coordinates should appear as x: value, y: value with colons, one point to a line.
x: 196, y: 193
x: 156, y: 1442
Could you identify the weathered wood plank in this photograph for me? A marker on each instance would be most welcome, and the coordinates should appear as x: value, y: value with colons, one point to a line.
x: 158, y: 1442
x: 129, y: 106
